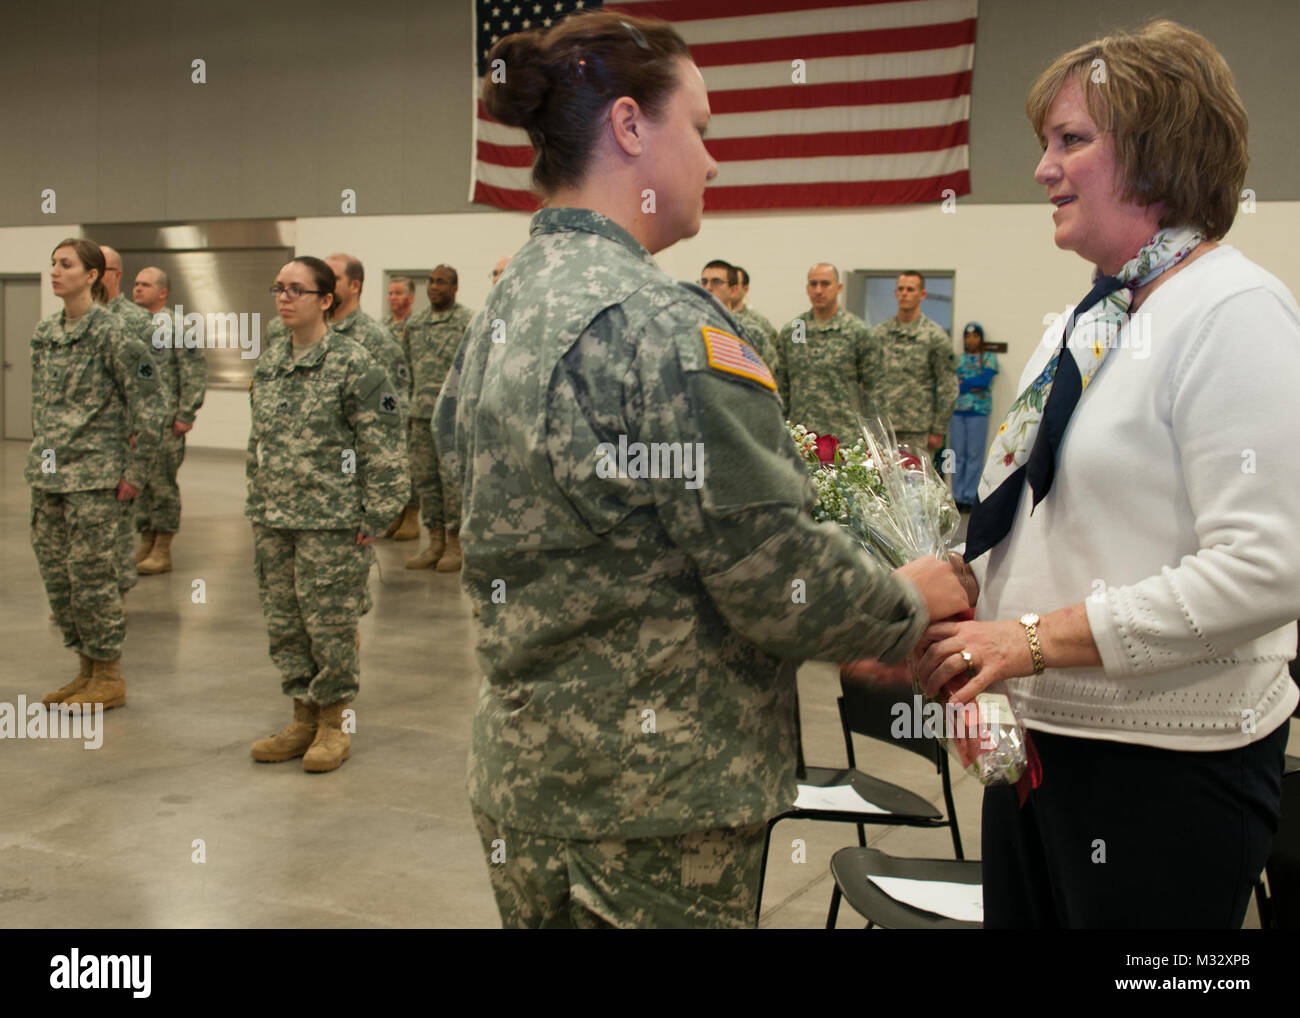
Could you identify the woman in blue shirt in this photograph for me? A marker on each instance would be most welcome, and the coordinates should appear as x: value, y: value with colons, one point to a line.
x: 968, y: 431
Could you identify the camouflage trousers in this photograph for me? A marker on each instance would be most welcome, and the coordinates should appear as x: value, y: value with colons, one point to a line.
x: 313, y: 588
x: 124, y: 547
x: 414, y: 501
x: 159, y: 506
x: 701, y: 880
x: 439, y: 496
x: 73, y: 536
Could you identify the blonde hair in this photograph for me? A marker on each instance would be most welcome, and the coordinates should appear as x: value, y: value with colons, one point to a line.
x: 1167, y: 97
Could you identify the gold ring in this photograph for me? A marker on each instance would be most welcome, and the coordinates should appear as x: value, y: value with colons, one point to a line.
x: 965, y: 656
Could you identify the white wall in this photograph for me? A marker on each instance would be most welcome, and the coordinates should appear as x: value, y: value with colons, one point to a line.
x: 26, y: 250
x: 1009, y: 275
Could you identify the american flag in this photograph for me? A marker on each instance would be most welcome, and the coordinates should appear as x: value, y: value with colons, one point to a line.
x: 727, y: 353
x: 815, y: 102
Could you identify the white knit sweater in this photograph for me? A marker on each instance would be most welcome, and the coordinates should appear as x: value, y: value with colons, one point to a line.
x: 1175, y: 518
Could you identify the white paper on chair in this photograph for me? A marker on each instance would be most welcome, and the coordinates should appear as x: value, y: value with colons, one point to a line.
x: 943, y: 897
x: 840, y: 798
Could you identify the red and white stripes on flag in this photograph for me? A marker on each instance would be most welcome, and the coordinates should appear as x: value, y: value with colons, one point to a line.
x: 815, y: 103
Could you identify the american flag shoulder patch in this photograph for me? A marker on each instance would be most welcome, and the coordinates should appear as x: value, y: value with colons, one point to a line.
x: 736, y: 357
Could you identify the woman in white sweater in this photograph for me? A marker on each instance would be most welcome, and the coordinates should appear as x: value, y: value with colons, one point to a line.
x: 1137, y: 537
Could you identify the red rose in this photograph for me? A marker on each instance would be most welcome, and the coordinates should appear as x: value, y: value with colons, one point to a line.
x: 826, y: 446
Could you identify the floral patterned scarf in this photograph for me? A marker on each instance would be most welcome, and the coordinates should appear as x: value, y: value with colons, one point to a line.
x: 1087, y: 339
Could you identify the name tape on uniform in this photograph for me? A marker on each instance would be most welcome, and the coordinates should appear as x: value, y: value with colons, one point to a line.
x: 736, y: 357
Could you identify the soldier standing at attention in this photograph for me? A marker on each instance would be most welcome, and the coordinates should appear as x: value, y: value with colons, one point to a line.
x: 916, y: 374
x: 92, y: 388
x: 401, y: 295
x: 431, y: 342
x: 636, y: 724
x: 824, y: 361
x: 326, y: 473
x: 747, y: 318
x: 183, y: 382
x: 347, y: 318
x: 720, y: 279
x: 134, y: 324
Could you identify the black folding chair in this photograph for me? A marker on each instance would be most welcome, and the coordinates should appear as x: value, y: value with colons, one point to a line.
x: 853, y: 868
x: 868, y: 711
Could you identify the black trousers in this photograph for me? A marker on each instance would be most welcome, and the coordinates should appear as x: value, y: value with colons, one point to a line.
x: 1121, y: 836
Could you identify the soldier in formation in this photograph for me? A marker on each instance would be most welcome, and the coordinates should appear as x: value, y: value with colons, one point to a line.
x: 94, y: 387
x: 182, y: 384
x: 824, y: 361
x: 915, y: 375
x: 401, y: 296
x: 326, y: 474
x: 721, y: 279
x: 431, y: 341
x: 135, y: 324
x: 348, y: 319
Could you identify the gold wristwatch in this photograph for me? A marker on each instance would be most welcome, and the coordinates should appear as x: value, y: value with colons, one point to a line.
x: 1030, y: 621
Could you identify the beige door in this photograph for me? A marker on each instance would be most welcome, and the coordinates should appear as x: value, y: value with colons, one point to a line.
x: 20, y: 312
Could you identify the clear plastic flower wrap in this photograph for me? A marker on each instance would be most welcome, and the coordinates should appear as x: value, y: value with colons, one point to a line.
x: 893, y: 502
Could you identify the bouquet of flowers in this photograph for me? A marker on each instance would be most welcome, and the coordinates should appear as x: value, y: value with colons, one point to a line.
x: 893, y: 502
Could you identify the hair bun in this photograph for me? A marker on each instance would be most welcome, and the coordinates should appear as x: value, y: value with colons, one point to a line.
x: 517, y: 100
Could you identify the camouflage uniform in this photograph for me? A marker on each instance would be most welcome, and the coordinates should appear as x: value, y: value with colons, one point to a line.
x: 134, y: 323
x: 822, y: 379
x: 915, y: 377
x: 616, y: 883
x: 92, y: 388
x: 183, y: 382
x: 759, y: 331
x: 639, y: 637
x: 431, y: 340
x: 378, y: 341
x: 384, y: 347
x: 395, y: 327
x: 325, y: 462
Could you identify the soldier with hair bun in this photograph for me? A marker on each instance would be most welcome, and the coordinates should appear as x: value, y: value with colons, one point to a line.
x: 326, y: 473
x: 636, y: 722
x: 92, y: 388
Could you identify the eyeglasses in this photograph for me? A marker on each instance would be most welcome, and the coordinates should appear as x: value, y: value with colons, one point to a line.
x: 293, y: 291
x: 709, y: 284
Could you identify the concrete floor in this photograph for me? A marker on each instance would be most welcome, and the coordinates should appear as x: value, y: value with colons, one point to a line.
x: 385, y: 841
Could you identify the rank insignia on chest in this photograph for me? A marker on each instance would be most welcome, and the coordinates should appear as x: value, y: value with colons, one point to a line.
x: 145, y: 370
x: 734, y: 356
x: 388, y: 403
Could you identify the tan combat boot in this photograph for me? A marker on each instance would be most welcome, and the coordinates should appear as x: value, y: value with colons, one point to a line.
x: 160, y: 558
x: 332, y: 745
x: 408, y: 527
x: 75, y: 686
x: 451, y: 558
x: 146, y: 546
x: 293, y: 739
x: 431, y: 554
x: 105, y: 687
